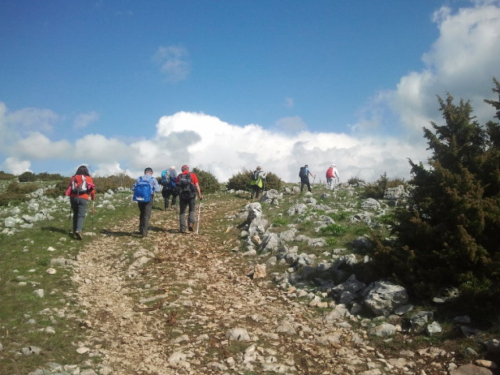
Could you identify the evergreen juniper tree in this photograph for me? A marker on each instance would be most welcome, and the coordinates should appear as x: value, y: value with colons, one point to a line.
x: 449, y: 233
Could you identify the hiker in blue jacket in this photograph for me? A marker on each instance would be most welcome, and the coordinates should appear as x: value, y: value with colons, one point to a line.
x: 145, y: 203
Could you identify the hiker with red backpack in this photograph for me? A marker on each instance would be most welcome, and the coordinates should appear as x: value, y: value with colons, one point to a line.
x: 81, y: 188
x: 188, y: 188
x: 144, y: 189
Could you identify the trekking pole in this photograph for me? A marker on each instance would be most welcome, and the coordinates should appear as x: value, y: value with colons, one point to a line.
x: 93, y: 212
x: 69, y: 218
x: 198, y: 221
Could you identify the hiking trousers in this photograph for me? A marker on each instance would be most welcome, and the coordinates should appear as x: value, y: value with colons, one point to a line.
x: 256, y: 190
x: 79, y: 207
x: 305, y: 181
x: 145, y: 209
x: 182, y: 211
x: 166, y: 193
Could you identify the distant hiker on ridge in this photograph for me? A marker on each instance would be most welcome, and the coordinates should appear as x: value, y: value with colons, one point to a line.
x: 332, y: 176
x: 304, y: 174
x: 257, y: 181
x: 144, y: 189
x: 80, y: 186
x: 188, y: 188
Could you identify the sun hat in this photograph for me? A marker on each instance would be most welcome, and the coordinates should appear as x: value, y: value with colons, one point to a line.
x: 172, y: 167
x: 259, y: 168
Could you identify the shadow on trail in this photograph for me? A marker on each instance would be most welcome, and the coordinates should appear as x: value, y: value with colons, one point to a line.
x: 56, y: 229
x: 118, y: 233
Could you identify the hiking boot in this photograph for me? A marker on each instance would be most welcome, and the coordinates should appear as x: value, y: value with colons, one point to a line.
x: 190, y: 227
x: 78, y: 235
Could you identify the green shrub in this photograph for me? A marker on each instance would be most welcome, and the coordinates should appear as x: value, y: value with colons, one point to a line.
x: 44, y: 176
x: 207, y: 181
x: 58, y: 190
x: 449, y: 234
x: 103, y: 184
x: 241, y: 181
x: 6, y: 176
x: 377, y: 189
x: 355, y: 181
x: 27, y: 177
x: 334, y: 230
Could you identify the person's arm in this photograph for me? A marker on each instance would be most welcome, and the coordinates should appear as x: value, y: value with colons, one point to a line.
x: 200, y: 196
x: 156, y: 185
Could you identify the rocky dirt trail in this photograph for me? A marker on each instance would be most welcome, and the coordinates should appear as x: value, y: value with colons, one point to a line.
x: 185, y: 304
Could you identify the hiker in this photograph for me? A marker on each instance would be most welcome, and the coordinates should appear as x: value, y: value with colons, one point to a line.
x: 168, y: 178
x: 257, y: 181
x: 144, y: 189
x: 188, y: 188
x: 81, y: 186
x: 304, y: 174
x: 332, y: 176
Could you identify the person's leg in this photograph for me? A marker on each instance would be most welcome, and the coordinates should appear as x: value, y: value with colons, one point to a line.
x: 142, y: 209
x: 147, y: 215
x: 308, y: 185
x: 182, y: 210
x: 80, y: 216
x: 167, y: 198
x: 164, y: 194
x: 192, y: 204
x: 174, y: 199
x: 74, y: 208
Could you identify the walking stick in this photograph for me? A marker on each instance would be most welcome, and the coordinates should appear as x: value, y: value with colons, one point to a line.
x: 198, y: 221
x: 93, y: 212
x: 69, y: 218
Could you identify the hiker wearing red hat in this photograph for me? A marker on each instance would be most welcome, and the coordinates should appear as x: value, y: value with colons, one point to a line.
x: 189, y: 188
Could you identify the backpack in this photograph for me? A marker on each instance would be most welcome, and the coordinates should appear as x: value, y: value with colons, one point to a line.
x: 142, y: 191
x: 165, y: 178
x: 303, y: 172
x: 185, y: 186
x: 79, y: 185
x: 255, y: 175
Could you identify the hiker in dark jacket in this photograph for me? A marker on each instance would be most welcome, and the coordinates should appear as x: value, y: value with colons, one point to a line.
x: 169, y: 189
x: 187, y: 197
x: 304, y: 177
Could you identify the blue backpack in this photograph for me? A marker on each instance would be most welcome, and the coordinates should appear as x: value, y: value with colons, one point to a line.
x: 142, y: 190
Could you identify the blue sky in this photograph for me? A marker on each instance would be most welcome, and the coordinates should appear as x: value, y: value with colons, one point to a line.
x: 227, y: 85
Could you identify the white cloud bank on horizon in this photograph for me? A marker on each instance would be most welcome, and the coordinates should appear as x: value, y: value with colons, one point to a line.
x: 462, y: 61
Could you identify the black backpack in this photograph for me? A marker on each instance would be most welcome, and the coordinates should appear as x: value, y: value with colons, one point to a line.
x: 255, y: 175
x: 303, y: 172
x: 185, y: 186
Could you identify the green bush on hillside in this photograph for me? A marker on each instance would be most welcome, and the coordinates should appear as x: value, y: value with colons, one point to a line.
x: 27, y: 177
x: 377, y: 189
x: 241, y: 181
x: 450, y: 231
x: 207, y: 181
x: 6, y: 176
